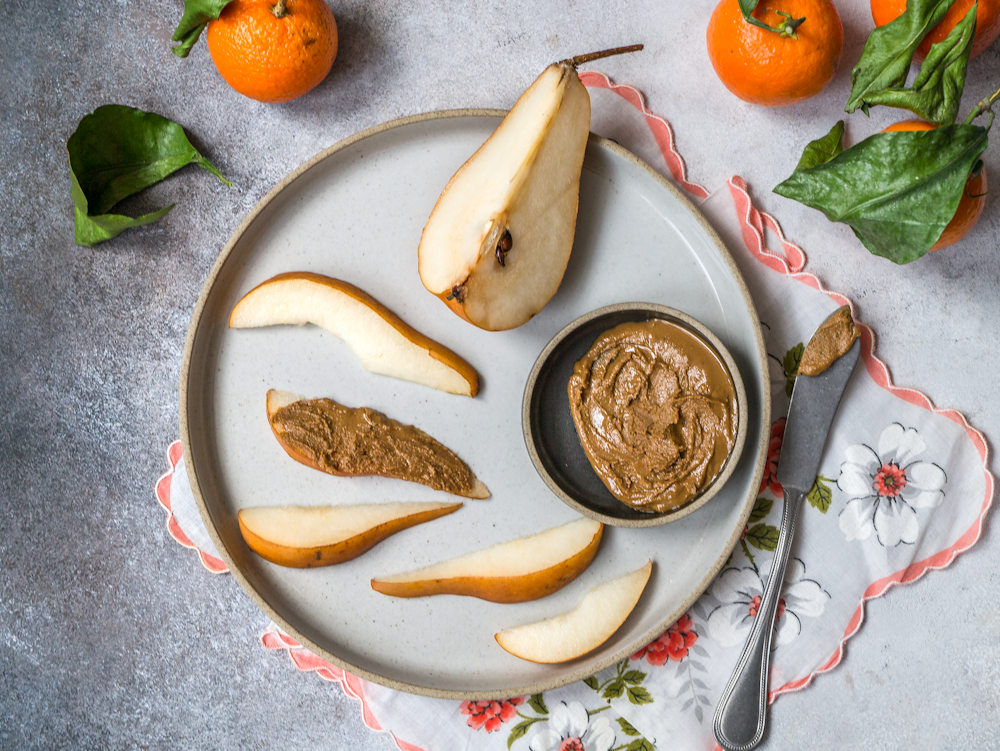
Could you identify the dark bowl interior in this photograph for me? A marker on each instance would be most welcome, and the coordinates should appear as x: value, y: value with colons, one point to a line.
x: 549, y: 430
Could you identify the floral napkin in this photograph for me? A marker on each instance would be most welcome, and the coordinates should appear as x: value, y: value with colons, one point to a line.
x: 903, y: 488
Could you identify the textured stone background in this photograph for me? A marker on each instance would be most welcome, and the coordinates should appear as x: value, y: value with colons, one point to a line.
x: 111, y: 635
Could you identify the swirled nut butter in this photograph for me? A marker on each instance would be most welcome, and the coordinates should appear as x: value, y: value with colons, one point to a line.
x: 830, y: 342
x: 655, y: 409
x: 341, y: 440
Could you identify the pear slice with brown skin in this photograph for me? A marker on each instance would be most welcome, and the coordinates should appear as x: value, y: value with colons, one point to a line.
x: 311, y: 536
x: 348, y: 442
x: 496, y: 245
x: 600, y: 613
x: 515, y: 571
x: 383, y: 342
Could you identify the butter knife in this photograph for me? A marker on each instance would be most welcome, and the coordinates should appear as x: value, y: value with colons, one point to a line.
x: 742, y: 711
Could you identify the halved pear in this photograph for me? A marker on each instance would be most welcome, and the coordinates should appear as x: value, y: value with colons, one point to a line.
x: 496, y: 245
x: 600, y: 613
x: 515, y: 571
x: 310, y: 536
x: 383, y: 342
x: 348, y: 442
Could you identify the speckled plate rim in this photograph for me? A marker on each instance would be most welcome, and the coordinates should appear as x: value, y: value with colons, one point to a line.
x: 587, y: 669
x: 701, y: 331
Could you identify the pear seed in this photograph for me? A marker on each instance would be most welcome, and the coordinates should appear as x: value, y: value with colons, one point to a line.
x: 503, y: 247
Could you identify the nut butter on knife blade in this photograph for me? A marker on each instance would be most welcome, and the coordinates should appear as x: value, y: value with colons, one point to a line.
x: 825, y: 368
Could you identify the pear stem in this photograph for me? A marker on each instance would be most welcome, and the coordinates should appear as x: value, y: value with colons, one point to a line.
x: 581, y: 59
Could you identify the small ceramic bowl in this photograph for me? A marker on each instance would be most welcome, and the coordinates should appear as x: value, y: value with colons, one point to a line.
x: 550, y: 433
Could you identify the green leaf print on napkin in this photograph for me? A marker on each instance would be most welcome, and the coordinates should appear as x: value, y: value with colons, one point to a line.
x: 821, y: 495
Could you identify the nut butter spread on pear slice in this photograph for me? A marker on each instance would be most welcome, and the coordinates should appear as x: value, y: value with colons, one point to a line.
x: 830, y: 342
x: 347, y: 441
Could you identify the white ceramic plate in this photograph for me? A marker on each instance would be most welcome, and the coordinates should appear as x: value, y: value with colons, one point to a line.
x: 356, y: 212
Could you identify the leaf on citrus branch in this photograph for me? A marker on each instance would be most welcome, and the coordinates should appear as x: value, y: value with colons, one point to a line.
x: 115, y: 152
x: 785, y: 28
x: 897, y: 191
x: 937, y: 90
x: 889, y: 49
x: 820, y: 495
x: 197, y: 14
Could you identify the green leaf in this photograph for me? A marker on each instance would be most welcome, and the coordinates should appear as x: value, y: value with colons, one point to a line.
x: 626, y: 727
x: 614, y: 689
x: 538, y: 704
x: 937, y: 89
x: 520, y: 729
x: 747, y: 553
x: 886, y: 58
x: 897, y: 191
x: 634, y: 677
x: 639, y: 695
x: 786, y: 28
x: 821, y: 494
x: 592, y: 682
x: 821, y: 151
x: 761, y: 508
x: 115, y: 152
x: 197, y: 14
x: 790, y: 363
x: 763, y: 537
x: 640, y: 744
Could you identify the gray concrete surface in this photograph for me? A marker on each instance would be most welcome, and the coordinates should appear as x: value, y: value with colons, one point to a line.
x: 111, y: 635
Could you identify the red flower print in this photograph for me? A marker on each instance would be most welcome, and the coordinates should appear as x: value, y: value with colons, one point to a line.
x: 889, y: 481
x: 770, y: 479
x: 490, y: 714
x: 672, y: 644
x: 755, y: 606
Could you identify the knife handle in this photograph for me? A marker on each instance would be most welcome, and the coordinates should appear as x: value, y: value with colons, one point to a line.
x: 742, y: 710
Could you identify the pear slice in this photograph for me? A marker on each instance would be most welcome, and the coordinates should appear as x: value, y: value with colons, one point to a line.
x: 496, y: 245
x: 591, y: 623
x: 310, y: 536
x: 515, y: 571
x: 382, y: 341
x: 349, y: 442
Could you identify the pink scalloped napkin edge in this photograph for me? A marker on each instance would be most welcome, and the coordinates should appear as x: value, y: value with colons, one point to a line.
x: 903, y: 489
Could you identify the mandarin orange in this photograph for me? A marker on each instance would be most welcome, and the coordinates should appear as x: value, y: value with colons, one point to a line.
x: 273, y: 50
x: 973, y: 199
x: 772, y: 69
x: 987, y: 22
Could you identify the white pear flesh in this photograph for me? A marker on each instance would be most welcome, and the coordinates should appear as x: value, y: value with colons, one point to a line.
x: 383, y: 342
x: 519, y: 570
x: 526, y: 180
x: 310, y: 536
x: 591, y: 623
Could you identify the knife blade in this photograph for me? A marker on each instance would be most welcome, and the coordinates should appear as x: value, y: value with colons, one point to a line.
x: 742, y: 712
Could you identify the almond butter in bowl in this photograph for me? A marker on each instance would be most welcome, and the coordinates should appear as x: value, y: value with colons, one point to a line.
x: 635, y: 414
x: 655, y: 409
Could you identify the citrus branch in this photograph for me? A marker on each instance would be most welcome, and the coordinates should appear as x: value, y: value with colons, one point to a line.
x: 983, y: 106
